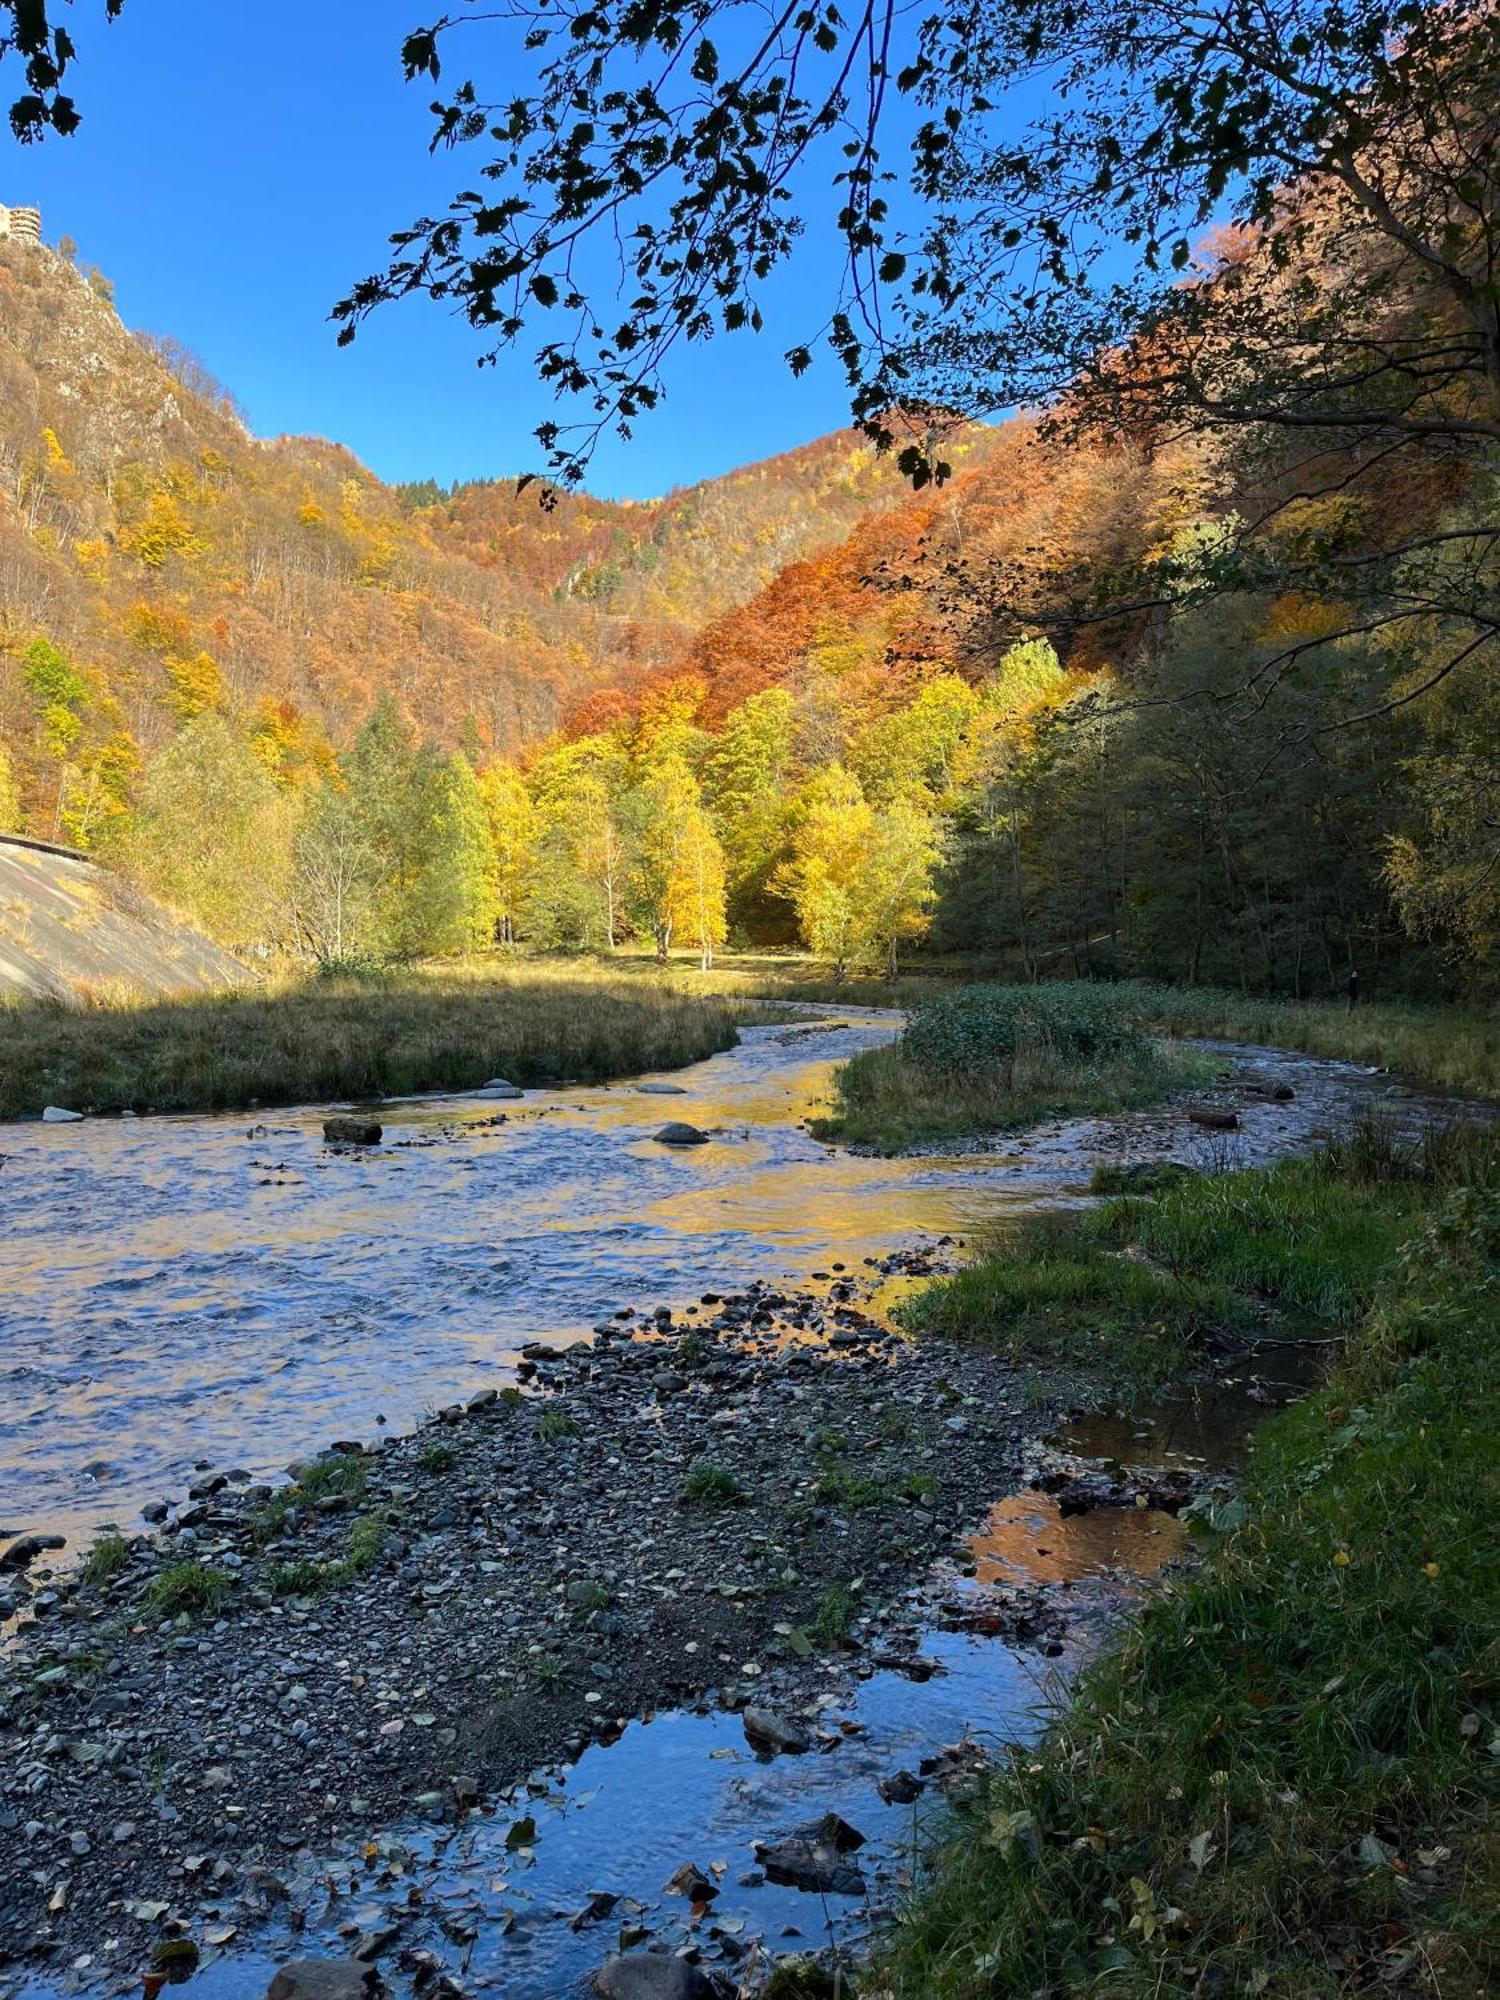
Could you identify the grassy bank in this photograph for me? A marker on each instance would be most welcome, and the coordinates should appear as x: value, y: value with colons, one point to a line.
x: 1135, y: 1291
x: 1442, y: 1046
x: 1285, y: 1781
x: 889, y: 1104
x: 977, y: 1059
x: 315, y: 1040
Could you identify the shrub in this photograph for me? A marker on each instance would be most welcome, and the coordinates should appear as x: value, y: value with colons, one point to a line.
x: 709, y: 1485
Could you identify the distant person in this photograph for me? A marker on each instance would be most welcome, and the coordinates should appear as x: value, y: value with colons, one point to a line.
x: 1351, y: 991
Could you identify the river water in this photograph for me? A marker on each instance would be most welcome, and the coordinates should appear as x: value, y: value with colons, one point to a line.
x: 186, y: 1291
x: 177, y: 1292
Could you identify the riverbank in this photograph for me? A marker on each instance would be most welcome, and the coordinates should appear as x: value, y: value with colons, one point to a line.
x: 985, y: 1058
x: 1284, y: 1781
x: 680, y: 1513
x: 312, y: 1040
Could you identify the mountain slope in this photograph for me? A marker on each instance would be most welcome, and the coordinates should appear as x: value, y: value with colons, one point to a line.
x: 166, y: 561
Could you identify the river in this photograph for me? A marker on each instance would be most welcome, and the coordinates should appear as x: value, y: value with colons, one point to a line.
x: 178, y: 1292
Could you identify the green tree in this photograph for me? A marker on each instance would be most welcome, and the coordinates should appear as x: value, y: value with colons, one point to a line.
x: 10, y: 794
x: 212, y: 836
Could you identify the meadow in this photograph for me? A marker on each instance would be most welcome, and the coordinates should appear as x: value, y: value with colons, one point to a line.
x: 312, y: 1040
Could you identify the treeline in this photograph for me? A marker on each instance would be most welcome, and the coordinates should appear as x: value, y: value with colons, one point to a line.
x: 1088, y: 822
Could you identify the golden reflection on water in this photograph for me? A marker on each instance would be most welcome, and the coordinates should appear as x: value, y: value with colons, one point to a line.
x: 1026, y: 1540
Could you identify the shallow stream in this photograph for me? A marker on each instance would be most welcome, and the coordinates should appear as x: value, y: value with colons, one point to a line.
x: 186, y: 1291
x: 189, y: 1291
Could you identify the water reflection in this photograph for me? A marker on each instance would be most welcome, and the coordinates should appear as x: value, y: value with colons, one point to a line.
x: 1027, y: 1540
x: 183, y: 1290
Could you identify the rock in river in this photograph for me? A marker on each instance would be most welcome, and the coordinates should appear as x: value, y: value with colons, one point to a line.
x: 677, y: 1134
x: 809, y: 1859
x: 774, y: 1734
x: 322, y: 1979
x: 55, y: 1115
x: 499, y: 1086
x: 352, y: 1131
x: 650, y: 1975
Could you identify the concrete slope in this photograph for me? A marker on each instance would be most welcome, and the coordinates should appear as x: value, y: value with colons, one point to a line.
x: 68, y: 927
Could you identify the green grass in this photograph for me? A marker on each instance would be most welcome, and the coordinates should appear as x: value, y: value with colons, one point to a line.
x: 838, y: 1608
x: 105, y: 1559
x: 1130, y: 1292
x: 708, y: 1485
x: 888, y: 1104
x: 1284, y: 1782
x: 190, y: 1587
x: 313, y: 1040
x: 436, y: 1457
x: 308, y: 1578
x: 553, y: 1423
x: 336, y: 1473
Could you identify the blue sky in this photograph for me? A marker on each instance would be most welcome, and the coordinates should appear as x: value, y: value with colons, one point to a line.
x: 242, y: 162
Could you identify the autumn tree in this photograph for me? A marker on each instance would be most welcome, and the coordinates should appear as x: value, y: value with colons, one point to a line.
x: 826, y: 878
x: 212, y: 836
x: 514, y: 836
x: 747, y: 780
x: 681, y: 865
x: 10, y: 794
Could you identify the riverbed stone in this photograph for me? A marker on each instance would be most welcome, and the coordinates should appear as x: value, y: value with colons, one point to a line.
x: 649, y: 1975
x: 322, y: 1979
x: 774, y: 1735
x: 678, y: 1134
x: 353, y: 1131
x: 57, y: 1114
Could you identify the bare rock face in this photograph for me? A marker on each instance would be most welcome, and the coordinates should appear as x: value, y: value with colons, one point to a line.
x: 352, y: 1131
x: 677, y: 1134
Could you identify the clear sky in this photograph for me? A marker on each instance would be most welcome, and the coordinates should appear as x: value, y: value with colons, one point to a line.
x: 241, y: 164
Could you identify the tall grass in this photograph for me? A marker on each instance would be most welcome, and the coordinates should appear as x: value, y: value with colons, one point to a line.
x: 985, y: 1058
x: 308, y: 1041
x: 1284, y: 1782
x: 1447, y: 1047
x: 1133, y: 1291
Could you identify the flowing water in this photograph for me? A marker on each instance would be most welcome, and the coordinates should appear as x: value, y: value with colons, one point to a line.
x: 224, y: 1290
x: 188, y: 1290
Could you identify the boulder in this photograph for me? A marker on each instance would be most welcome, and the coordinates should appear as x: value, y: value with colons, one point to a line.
x: 651, y: 1975
x: 322, y: 1979
x: 1213, y: 1119
x: 24, y: 1551
x: 55, y: 1115
x: 661, y: 1090
x: 809, y: 1860
x: 773, y: 1734
x: 498, y: 1086
x: 677, y: 1134
x: 351, y: 1132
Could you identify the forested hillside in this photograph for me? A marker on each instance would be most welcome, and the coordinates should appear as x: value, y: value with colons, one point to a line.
x: 158, y: 563
x: 1013, y: 714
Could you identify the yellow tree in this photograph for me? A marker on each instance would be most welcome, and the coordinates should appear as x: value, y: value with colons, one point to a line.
x: 898, y: 892
x: 681, y: 871
x: 699, y: 888
x: 826, y: 879
x: 515, y: 831
x: 10, y: 797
